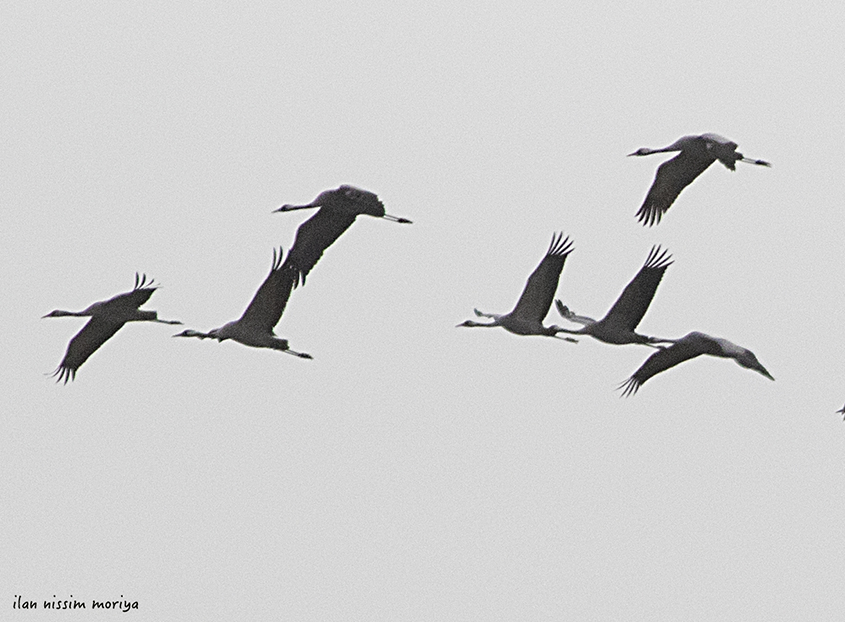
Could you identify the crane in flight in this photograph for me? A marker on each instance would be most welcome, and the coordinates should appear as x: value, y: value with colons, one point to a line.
x: 618, y: 326
x: 696, y: 154
x: 688, y: 347
x: 533, y: 306
x: 107, y: 317
x: 337, y: 211
x: 255, y: 327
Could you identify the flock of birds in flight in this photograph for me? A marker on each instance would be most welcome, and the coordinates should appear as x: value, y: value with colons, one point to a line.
x: 337, y: 210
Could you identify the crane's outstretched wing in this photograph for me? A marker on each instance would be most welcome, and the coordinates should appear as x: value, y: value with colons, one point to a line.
x: 541, y: 286
x: 270, y: 300
x: 690, y: 346
x: 313, y: 237
x: 94, y: 334
x: 673, y: 176
x: 632, y: 304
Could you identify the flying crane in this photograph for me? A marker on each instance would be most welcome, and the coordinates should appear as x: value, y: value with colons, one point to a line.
x: 690, y: 346
x: 107, y: 317
x: 337, y: 211
x: 618, y: 326
x: 533, y: 306
x: 255, y: 327
x: 696, y: 154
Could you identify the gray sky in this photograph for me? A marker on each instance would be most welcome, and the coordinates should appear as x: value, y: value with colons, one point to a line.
x: 412, y: 470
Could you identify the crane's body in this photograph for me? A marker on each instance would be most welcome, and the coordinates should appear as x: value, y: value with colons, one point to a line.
x: 697, y: 153
x: 107, y: 317
x: 533, y: 306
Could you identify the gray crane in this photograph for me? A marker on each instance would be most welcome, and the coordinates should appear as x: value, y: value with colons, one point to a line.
x: 696, y: 154
x: 533, y: 306
x: 255, y: 327
x: 107, y: 317
x: 690, y: 346
x: 618, y: 326
x: 338, y: 209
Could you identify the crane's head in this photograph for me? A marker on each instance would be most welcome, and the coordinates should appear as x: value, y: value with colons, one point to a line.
x: 470, y: 324
x: 747, y: 359
x: 59, y: 313
x: 642, y: 151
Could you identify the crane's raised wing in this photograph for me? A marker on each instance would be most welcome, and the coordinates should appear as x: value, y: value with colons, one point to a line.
x: 132, y: 300
x: 632, y: 304
x: 541, y: 286
x: 94, y: 334
x: 673, y: 176
x: 313, y: 237
x: 270, y: 300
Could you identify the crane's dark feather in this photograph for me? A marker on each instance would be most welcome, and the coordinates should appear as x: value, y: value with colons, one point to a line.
x: 313, y: 237
x: 632, y: 304
x: 540, y: 289
x: 673, y: 176
x: 688, y: 347
x: 266, y: 308
x: 130, y: 300
x: 94, y: 334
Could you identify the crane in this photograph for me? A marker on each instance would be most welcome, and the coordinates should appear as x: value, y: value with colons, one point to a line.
x: 337, y: 211
x: 618, y: 326
x: 690, y: 346
x: 107, y: 317
x: 533, y: 306
x: 255, y: 327
x: 696, y: 154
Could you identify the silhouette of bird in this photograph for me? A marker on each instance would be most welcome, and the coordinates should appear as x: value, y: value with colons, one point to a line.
x: 107, y: 317
x: 696, y: 154
x: 688, y: 347
x: 255, y: 327
x: 618, y: 326
x: 533, y: 306
x: 337, y: 211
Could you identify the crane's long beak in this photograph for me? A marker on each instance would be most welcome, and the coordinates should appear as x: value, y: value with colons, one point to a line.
x: 763, y: 371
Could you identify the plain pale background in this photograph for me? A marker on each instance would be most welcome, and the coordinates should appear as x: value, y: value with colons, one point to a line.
x: 412, y: 470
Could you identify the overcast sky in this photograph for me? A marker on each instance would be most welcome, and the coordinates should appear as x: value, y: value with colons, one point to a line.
x: 414, y: 470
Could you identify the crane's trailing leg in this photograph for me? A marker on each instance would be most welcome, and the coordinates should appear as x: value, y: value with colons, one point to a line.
x: 757, y: 162
x: 403, y: 221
